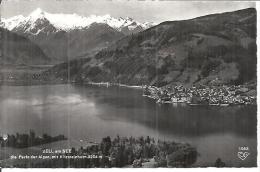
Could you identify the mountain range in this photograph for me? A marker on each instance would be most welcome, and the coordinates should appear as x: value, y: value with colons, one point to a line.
x: 33, y: 23
x: 19, y: 50
x: 212, y: 49
x: 69, y: 36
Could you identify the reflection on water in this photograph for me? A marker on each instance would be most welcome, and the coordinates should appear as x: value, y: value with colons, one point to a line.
x: 91, y: 112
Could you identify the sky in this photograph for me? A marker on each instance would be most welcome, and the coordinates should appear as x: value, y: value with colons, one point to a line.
x: 140, y: 10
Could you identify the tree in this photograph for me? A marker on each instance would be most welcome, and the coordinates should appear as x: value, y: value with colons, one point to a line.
x: 182, y: 157
x: 219, y: 163
x: 148, y: 140
x: 32, y: 138
x: 106, y: 145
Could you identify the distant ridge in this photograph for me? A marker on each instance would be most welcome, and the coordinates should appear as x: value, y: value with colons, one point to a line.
x: 79, y: 36
x: 67, y: 22
x: 18, y: 50
x: 217, y: 48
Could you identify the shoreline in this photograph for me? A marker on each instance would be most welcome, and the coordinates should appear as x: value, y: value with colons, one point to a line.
x: 206, y: 96
x: 107, y: 151
x: 108, y: 84
x: 160, y: 94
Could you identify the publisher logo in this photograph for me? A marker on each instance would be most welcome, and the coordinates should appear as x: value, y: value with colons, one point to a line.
x: 243, y: 153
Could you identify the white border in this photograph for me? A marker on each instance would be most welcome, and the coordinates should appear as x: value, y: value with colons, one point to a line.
x: 258, y: 73
x: 174, y: 169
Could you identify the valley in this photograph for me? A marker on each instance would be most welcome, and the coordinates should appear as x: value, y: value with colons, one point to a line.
x: 81, y: 37
x: 180, y: 52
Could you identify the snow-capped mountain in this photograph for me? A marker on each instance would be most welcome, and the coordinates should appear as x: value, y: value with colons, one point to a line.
x: 38, y: 20
x: 64, y: 36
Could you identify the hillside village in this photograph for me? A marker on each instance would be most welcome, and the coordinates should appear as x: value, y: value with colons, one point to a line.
x: 203, y: 95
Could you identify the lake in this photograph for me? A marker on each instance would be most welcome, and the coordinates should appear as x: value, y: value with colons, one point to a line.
x: 90, y: 113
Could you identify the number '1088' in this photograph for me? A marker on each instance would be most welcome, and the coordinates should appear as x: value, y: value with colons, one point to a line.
x: 243, y: 148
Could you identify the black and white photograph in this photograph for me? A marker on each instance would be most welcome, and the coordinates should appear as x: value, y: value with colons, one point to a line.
x: 128, y: 84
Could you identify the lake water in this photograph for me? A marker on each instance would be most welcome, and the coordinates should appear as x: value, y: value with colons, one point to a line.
x: 91, y: 113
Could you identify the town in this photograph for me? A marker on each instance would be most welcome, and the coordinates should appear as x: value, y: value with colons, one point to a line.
x: 202, y: 95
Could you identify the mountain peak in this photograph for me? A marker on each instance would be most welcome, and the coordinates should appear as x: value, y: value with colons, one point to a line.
x: 129, y: 18
x: 38, y: 13
x: 69, y: 22
x: 107, y: 16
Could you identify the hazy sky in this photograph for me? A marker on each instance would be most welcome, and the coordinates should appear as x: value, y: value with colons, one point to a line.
x: 156, y: 11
